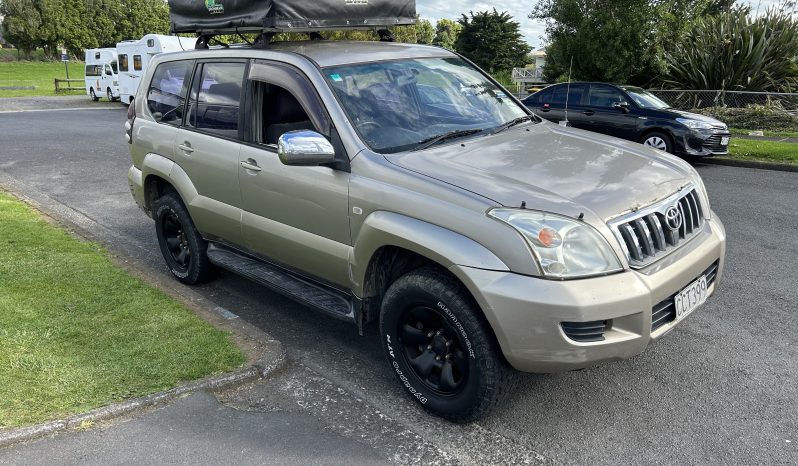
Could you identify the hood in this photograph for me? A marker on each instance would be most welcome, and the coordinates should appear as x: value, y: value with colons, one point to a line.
x: 563, y: 170
x: 674, y: 113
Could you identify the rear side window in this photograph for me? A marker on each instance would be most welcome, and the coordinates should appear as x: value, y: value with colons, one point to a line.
x: 93, y: 70
x: 137, y: 62
x: 575, y: 94
x: 123, y: 62
x: 167, y: 91
x: 216, y: 98
x: 605, y: 96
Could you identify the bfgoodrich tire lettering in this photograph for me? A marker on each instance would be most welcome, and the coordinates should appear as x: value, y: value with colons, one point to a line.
x: 440, y: 347
x: 183, y: 248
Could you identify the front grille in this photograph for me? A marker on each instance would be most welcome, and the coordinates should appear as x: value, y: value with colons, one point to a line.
x: 713, y: 144
x: 665, y: 311
x: 584, y: 332
x: 655, y: 231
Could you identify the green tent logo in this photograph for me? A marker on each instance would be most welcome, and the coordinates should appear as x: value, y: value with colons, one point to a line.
x: 214, y: 7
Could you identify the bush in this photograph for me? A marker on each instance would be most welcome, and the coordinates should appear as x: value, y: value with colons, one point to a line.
x: 754, y: 117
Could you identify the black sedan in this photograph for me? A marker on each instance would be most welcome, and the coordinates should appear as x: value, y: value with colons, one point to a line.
x: 631, y: 113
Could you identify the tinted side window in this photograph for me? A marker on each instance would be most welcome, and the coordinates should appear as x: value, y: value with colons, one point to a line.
x: 123, y: 62
x: 604, y: 96
x: 216, y: 98
x: 167, y: 91
x: 575, y: 94
x: 137, y: 62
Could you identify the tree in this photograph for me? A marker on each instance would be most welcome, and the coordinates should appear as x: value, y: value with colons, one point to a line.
x: 616, y: 40
x: 492, y: 40
x: 734, y: 50
x: 21, y: 24
x: 446, y: 32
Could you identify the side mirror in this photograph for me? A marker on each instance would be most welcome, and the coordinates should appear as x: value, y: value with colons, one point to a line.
x: 305, y: 148
x: 622, y: 106
x: 109, y: 72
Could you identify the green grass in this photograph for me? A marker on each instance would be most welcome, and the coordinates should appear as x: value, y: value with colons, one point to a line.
x: 767, y: 151
x: 786, y: 134
x: 38, y: 72
x: 77, y: 332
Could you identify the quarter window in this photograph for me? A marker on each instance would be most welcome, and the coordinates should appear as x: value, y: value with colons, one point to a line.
x: 137, y: 62
x: 216, y: 98
x: 168, y: 90
x: 123, y: 62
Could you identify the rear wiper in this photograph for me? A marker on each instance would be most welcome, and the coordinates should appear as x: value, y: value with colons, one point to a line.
x: 513, y: 122
x: 424, y: 143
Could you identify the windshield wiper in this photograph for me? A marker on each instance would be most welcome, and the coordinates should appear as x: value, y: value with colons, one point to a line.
x: 424, y: 143
x: 513, y: 122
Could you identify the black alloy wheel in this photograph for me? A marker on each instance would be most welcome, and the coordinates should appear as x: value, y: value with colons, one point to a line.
x: 182, y: 246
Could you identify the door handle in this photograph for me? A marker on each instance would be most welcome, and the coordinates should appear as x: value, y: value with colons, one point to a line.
x: 250, y: 164
x: 186, y: 147
x: 589, y: 112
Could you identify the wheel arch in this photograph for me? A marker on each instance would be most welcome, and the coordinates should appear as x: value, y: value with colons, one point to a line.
x: 390, y: 245
x: 160, y: 175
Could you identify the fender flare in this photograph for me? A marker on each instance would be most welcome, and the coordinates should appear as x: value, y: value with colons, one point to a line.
x: 162, y: 167
x: 436, y: 243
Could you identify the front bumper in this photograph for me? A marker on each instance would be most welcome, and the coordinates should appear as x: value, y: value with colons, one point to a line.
x: 704, y: 143
x: 526, y: 312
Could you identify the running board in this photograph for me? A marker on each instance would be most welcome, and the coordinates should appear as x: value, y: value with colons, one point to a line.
x: 322, y: 298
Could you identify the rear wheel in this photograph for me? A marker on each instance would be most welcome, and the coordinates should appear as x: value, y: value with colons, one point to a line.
x: 440, y: 347
x: 110, y: 95
x: 658, y: 140
x: 93, y: 94
x: 183, y: 248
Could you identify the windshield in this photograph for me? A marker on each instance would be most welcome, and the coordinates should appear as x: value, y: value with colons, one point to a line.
x: 645, y: 99
x: 398, y: 105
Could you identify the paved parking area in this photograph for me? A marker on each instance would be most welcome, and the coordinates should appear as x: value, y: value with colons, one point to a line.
x: 721, y: 388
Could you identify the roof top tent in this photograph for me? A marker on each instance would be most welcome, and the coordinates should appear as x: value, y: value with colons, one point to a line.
x: 135, y: 56
x: 269, y: 17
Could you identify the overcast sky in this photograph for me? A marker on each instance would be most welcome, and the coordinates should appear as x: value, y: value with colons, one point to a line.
x: 533, y: 31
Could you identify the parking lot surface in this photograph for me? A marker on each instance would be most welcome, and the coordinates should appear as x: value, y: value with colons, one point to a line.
x: 720, y: 388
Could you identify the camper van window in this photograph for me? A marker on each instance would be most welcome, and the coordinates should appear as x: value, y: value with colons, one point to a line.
x: 167, y: 93
x: 150, y: 42
x: 137, y: 62
x: 123, y: 62
x: 93, y: 70
x: 215, y: 98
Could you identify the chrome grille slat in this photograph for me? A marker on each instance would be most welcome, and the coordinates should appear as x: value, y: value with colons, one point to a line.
x: 645, y: 234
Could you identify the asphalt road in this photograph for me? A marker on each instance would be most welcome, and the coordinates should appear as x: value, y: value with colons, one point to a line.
x: 721, y: 388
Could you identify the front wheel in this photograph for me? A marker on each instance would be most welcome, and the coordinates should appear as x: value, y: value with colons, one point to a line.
x: 183, y: 248
x: 658, y: 140
x: 440, y: 347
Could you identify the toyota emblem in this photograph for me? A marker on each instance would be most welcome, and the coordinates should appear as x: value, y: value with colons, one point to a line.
x: 673, y: 218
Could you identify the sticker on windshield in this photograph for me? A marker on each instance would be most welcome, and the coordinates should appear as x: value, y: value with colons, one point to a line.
x: 336, y: 77
x: 500, y: 95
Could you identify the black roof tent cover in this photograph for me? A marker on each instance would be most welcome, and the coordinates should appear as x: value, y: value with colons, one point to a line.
x: 230, y: 16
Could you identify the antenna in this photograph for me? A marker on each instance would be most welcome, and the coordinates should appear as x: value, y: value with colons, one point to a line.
x: 567, y: 93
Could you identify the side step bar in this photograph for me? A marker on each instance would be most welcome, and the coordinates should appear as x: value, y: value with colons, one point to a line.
x: 322, y: 298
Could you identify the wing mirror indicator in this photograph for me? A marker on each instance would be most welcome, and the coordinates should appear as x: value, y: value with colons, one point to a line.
x: 305, y: 148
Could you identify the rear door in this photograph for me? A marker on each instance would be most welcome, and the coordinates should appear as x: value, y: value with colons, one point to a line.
x: 603, y: 115
x: 551, y: 103
x: 207, y: 147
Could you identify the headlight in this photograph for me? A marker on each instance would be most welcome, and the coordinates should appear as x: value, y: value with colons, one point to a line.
x: 694, y: 124
x: 564, y: 247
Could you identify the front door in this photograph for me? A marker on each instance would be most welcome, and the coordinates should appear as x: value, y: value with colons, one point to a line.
x: 603, y: 115
x: 296, y: 216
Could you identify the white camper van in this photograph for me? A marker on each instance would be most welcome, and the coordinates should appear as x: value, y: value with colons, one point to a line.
x: 102, y: 75
x: 135, y: 55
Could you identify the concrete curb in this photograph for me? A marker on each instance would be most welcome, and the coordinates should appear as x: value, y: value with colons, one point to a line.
x: 258, y: 370
x: 265, y: 354
x: 784, y: 167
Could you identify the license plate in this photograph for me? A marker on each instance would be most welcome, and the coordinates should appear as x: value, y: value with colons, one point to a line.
x: 724, y: 141
x: 691, y: 297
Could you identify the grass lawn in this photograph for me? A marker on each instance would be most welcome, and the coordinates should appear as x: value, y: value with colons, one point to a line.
x: 38, y: 73
x: 763, y: 150
x: 786, y: 134
x: 77, y: 332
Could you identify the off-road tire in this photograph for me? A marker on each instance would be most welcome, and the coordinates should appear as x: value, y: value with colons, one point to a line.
x: 488, y: 378
x: 170, y: 213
